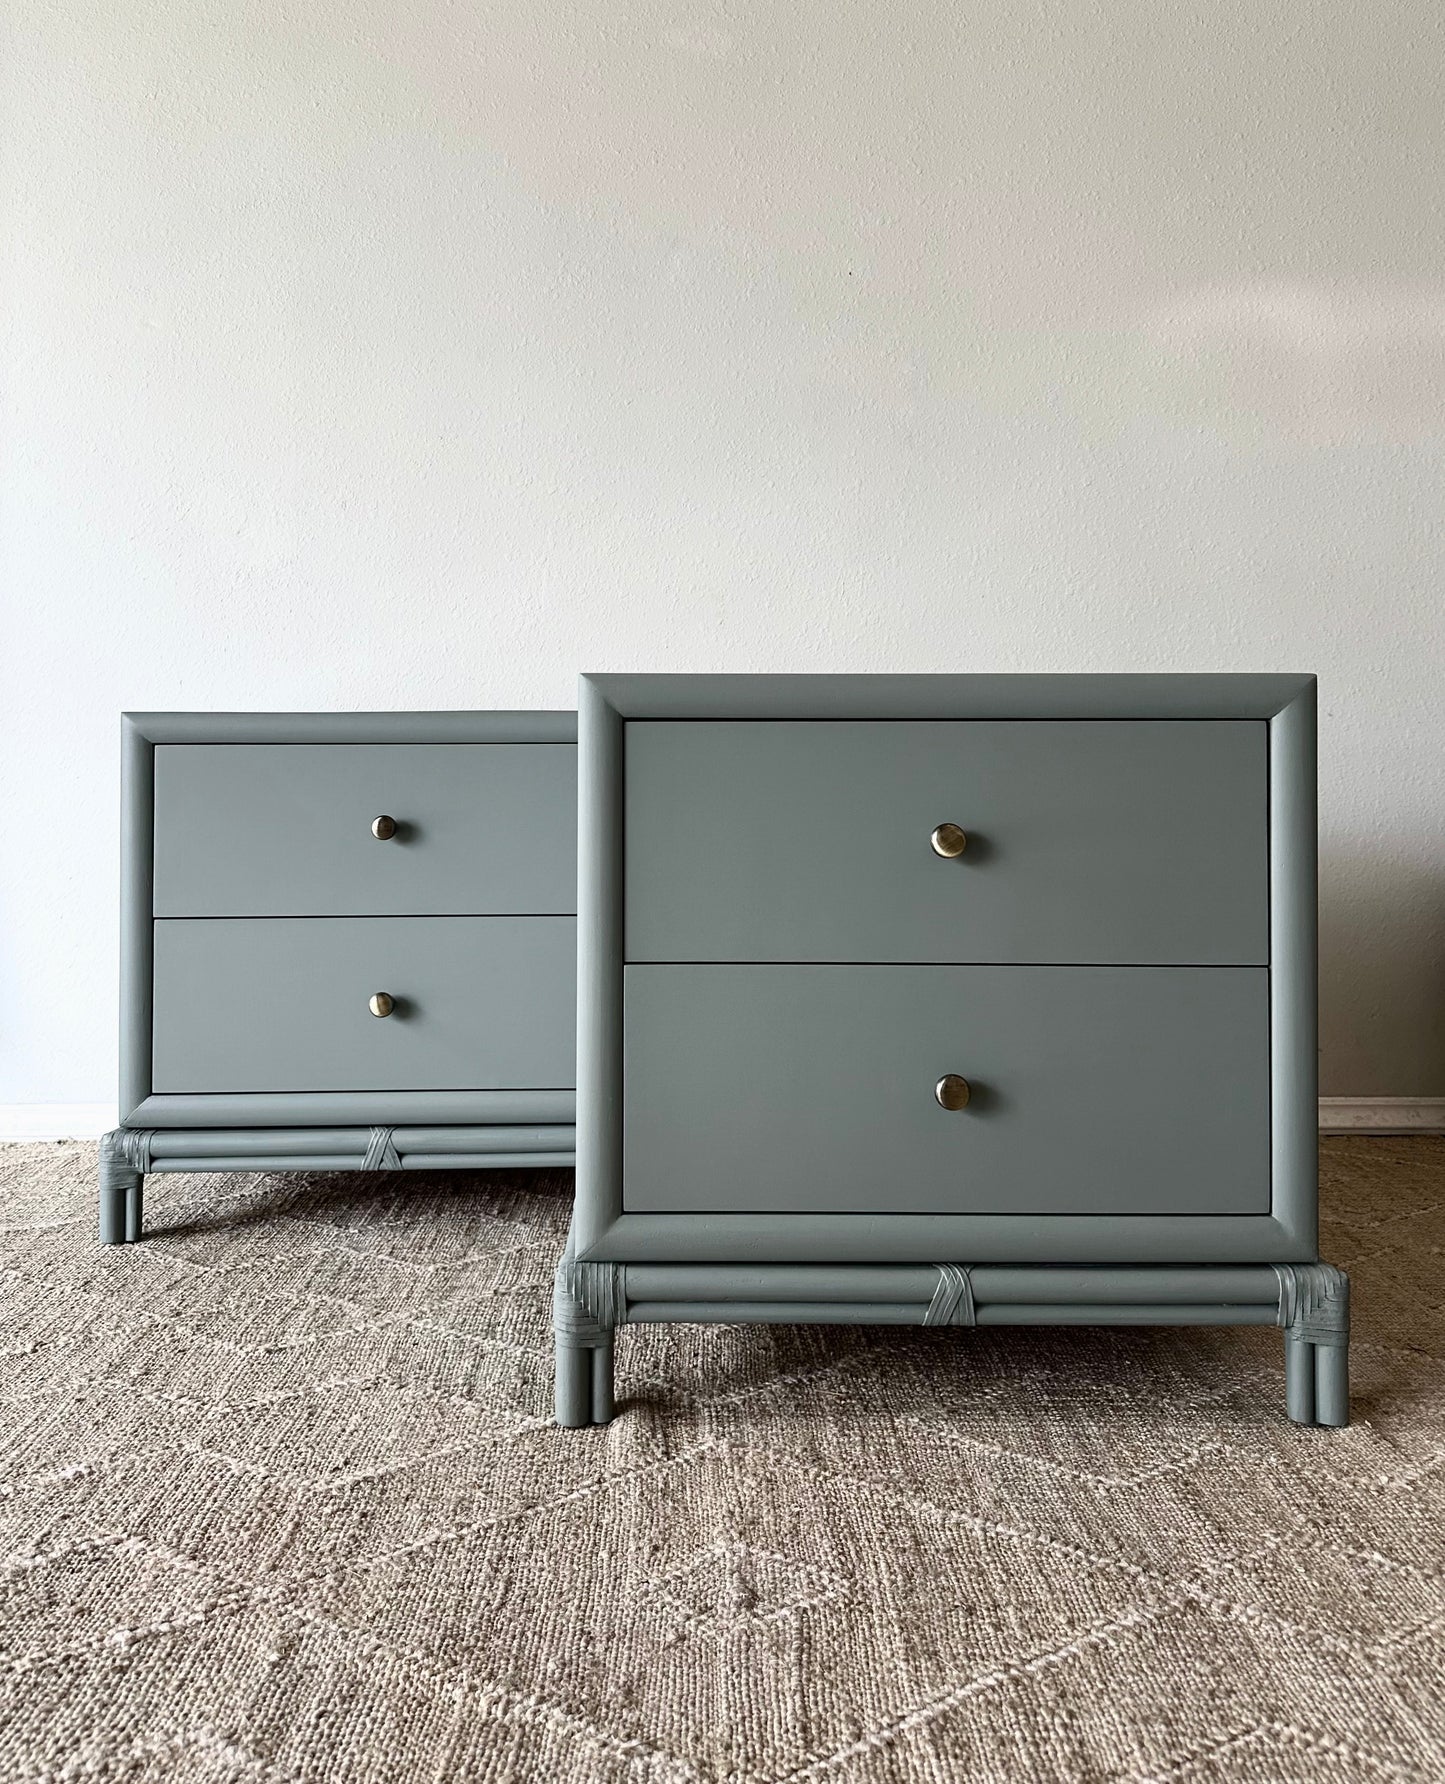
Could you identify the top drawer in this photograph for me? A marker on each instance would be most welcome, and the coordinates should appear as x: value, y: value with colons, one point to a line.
x: 1116, y: 842
x: 284, y: 830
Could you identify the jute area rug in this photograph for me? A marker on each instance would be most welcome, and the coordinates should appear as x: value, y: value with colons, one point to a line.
x: 280, y: 1499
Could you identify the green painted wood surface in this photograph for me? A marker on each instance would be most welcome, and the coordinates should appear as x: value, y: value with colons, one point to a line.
x: 801, y: 1282
x: 1113, y: 1239
x: 883, y: 1313
x: 329, y: 1108
x: 1096, y: 1090
x: 1294, y: 950
x: 599, y: 967
x: 141, y: 734
x: 285, y: 829
x: 519, y: 725
x: 607, y: 704
x: 1104, y: 841
x: 195, y: 1143
x: 280, y: 1004
x: 303, y: 1160
x: 634, y: 695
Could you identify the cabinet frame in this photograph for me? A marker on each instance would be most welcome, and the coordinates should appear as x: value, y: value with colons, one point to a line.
x: 604, y: 1233
x: 141, y: 732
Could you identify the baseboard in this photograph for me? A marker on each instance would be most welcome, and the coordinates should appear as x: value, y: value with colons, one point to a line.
x: 56, y: 1121
x: 1382, y: 1114
x: 1338, y: 1115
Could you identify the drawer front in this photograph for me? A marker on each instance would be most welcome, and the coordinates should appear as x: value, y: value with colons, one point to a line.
x: 811, y: 1089
x: 281, y: 1004
x: 284, y: 830
x: 1118, y: 842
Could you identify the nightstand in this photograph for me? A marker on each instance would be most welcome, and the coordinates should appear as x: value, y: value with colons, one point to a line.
x: 348, y: 943
x: 948, y: 1000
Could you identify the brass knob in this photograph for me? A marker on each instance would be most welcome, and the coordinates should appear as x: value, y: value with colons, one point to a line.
x: 952, y: 1091
x: 383, y: 828
x: 949, y: 841
x: 381, y: 1003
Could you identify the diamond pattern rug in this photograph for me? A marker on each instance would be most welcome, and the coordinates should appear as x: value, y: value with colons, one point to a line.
x: 280, y: 1499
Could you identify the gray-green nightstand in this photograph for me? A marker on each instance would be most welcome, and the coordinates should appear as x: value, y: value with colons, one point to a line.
x: 348, y: 943
x: 948, y: 1000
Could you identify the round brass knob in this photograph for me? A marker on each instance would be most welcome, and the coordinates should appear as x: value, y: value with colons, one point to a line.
x: 383, y: 828
x: 381, y: 1003
x: 952, y: 1091
x: 949, y: 841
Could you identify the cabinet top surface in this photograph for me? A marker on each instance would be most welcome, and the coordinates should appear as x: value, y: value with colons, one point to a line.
x: 645, y: 696
x: 353, y: 727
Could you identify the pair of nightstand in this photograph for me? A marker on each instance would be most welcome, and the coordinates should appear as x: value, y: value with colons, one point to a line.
x: 924, y: 999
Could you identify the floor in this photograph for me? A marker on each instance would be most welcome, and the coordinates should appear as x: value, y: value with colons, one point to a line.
x: 280, y: 1499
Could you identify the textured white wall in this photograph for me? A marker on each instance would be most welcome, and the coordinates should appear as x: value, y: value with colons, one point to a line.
x: 402, y: 355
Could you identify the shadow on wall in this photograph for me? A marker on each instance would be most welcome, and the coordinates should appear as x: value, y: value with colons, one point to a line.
x: 1319, y: 364
x: 1382, y: 971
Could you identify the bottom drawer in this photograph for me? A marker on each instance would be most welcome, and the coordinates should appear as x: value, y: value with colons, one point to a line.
x: 281, y: 1004
x: 810, y: 1089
